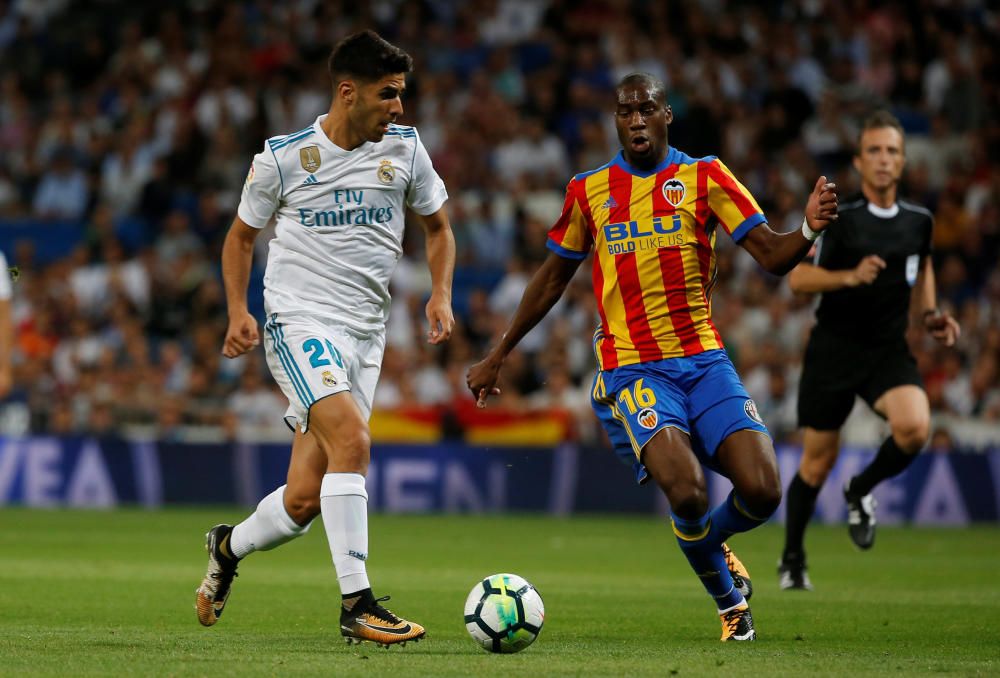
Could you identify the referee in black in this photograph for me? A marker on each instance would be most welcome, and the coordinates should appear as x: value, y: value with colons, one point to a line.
x: 873, y: 269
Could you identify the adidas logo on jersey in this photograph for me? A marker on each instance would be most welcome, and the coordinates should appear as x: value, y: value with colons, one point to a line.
x: 311, y: 179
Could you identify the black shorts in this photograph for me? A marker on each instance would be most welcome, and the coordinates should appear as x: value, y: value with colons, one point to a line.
x: 836, y: 369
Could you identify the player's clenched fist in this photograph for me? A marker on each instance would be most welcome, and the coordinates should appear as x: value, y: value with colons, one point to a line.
x: 821, y: 207
x: 482, y: 378
x: 241, y: 336
x: 866, y: 271
x: 440, y: 318
x: 942, y: 327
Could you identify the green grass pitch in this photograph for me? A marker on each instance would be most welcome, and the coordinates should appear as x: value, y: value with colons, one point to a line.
x: 92, y: 593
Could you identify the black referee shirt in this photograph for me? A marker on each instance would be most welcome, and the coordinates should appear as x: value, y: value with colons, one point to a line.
x: 901, y: 235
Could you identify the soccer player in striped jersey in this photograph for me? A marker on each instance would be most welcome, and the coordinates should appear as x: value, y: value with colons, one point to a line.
x: 665, y: 391
x: 339, y: 190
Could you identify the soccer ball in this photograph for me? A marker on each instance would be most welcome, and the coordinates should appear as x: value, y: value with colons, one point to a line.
x: 504, y: 613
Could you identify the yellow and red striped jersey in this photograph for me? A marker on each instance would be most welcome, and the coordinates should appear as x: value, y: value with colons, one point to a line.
x: 653, y: 235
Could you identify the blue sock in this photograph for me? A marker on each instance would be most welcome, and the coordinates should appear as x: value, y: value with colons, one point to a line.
x: 729, y: 518
x: 707, y: 560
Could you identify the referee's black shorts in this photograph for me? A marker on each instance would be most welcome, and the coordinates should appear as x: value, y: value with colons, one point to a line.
x: 835, y: 369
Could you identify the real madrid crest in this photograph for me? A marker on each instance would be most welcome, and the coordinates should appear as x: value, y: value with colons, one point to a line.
x: 329, y: 379
x: 386, y: 172
x: 674, y: 191
x: 309, y: 157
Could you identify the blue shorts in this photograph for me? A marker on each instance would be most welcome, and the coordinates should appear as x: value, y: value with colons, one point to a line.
x: 701, y: 395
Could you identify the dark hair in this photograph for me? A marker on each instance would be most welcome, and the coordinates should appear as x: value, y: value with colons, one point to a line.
x: 879, y: 120
x: 656, y: 87
x: 366, y: 56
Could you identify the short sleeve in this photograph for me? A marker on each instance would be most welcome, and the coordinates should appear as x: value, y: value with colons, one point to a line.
x: 570, y: 236
x: 5, y: 287
x: 261, y: 191
x: 731, y: 202
x: 426, y: 192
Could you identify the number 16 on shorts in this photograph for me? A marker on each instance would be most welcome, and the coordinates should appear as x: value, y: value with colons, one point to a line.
x: 639, y: 402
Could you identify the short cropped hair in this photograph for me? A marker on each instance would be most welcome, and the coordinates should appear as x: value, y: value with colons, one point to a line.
x: 879, y: 120
x: 656, y: 87
x: 368, y: 57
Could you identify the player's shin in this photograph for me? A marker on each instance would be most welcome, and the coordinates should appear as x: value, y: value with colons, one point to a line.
x: 707, y: 560
x: 266, y: 528
x: 731, y: 517
x: 890, y: 461
x: 800, y: 502
x: 344, y: 506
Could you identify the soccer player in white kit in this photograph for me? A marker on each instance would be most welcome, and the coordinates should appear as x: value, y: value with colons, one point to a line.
x: 339, y: 188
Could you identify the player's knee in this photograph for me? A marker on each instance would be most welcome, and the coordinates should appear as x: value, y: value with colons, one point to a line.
x: 302, y: 508
x: 911, y: 434
x: 763, y: 499
x: 814, y: 469
x: 352, y: 448
x: 689, y: 500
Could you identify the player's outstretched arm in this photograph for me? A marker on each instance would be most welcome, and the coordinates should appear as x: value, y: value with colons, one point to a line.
x: 237, y: 260
x: 778, y: 253
x: 543, y: 291
x: 441, y: 261
x: 809, y: 278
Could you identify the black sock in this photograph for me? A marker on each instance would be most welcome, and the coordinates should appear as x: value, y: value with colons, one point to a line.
x: 890, y: 461
x: 799, y: 505
x: 224, y: 551
x: 349, y: 601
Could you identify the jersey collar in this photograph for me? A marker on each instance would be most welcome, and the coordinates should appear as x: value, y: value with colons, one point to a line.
x: 329, y: 145
x: 642, y: 174
x: 883, y: 212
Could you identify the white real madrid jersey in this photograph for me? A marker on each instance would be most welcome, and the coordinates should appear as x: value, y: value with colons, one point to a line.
x: 340, y: 218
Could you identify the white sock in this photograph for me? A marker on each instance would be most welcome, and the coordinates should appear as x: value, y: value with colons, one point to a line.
x: 266, y: 528
x: 343, y: 501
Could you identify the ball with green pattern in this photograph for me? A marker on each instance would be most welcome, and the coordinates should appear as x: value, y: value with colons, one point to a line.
x: 504, y: 613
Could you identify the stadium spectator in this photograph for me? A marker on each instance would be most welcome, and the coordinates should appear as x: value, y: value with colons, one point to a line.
x: 159, y: 112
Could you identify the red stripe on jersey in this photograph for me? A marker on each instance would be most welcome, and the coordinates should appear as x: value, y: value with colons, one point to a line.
x: 728, y: 184
x: 674, y: 278
x: 580, y: 188
x: 620, y: 187
x: 558, y: 231
x: 635, y: 311
x: 704, y: 243
x: 675, y: 284
x: 609, y: 355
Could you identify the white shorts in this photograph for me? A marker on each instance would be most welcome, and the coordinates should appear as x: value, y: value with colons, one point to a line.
x: 311, y: 359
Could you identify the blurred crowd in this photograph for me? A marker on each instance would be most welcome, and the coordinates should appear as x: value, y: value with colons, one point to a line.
x: 135, y: 118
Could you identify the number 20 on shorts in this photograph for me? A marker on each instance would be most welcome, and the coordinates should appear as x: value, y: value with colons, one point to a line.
x: 637, y: 397
x: 316, y: 351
